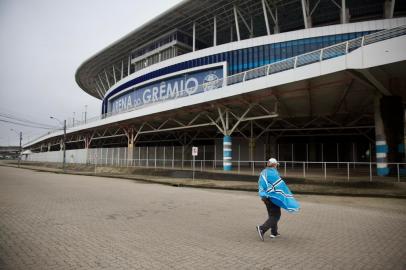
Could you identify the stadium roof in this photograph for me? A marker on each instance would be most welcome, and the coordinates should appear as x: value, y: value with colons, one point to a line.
x: 182, y: 16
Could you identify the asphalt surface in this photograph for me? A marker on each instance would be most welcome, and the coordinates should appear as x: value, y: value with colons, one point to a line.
x: 58, y: 221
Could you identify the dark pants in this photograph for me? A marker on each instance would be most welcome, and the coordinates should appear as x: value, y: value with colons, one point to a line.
x: 274, y: 214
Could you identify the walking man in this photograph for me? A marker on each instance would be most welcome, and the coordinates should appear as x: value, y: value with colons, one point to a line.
x: 276, y: 195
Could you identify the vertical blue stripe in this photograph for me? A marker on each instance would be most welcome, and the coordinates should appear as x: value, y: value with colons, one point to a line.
x: 382, y: 171
x: 382, y: 149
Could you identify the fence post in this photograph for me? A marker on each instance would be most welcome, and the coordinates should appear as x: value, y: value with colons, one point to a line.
x: 204, y: 156
x: 348, y: 172
x: 173, y: 156
x: 118, y: 157
x: 285, y: 170
x: 304, y: 170
x: 147, y: 158
x: 183, y: 150
x: 126, y: 156
x: 398, y: 172
x: 253, y: 167
x: 325, y: 171
x: 239, y: 157
x: 370, y: 172
x: 215, y: 161
x: 155, y: 159
x: 164, y: 155
x: 139, y: 157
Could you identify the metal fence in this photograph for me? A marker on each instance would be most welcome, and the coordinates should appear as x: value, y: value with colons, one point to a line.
x: 210, y: 159
x: 326, y: 171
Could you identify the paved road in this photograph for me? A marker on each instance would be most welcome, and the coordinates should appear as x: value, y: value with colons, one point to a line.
x: 55, y: 221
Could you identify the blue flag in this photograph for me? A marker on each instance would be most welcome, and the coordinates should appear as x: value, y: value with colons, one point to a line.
x: 271, y: 185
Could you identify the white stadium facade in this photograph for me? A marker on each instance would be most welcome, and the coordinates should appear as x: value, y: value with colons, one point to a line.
x: 299, y: 80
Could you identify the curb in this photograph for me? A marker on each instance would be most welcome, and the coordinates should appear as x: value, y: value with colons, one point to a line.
x: 235, y: 188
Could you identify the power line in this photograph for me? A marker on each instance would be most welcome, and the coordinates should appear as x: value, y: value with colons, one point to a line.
x: 20, y: 119
x: 25, y: 125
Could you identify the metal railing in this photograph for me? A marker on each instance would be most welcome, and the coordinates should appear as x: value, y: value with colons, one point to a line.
x: 319, y: 55
x: 323, y: 171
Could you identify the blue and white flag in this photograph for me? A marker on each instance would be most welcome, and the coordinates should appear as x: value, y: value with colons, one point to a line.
x: 271, y: 185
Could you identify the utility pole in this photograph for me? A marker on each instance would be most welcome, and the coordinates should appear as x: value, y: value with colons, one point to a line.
x: 64, y: 145
x: 21, y: 150
x: 63, y: 142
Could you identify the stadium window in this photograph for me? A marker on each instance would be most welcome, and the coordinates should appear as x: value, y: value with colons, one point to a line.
x: 250, y: 58
x: 245, y: 59
x: 267, y: 55
x: 238, y: 62
x: 277, y: 51
x: 261, y: 55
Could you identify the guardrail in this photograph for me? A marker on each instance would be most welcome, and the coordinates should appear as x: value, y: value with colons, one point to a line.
x: 319, y: 55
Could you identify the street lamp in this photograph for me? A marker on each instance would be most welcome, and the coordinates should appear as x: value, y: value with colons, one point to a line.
x: 64, y: 140
x: 85, y: 113
x: 21, y: 137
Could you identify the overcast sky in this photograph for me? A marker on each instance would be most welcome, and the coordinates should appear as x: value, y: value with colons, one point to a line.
x: 43, y: 42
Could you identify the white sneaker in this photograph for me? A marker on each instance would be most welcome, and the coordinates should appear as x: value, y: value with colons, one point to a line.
x: 260, y: 233
x: 274, y: 236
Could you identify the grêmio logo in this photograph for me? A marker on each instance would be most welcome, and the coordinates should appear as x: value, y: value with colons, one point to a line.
x: 183, y: 85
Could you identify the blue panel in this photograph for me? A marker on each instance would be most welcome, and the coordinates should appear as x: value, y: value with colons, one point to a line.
x: 227, y: 167
x: 382, y: 149
x: 170, y: 88
x: 382, y: 171
x: 227, y: 139
x: 401, y: 148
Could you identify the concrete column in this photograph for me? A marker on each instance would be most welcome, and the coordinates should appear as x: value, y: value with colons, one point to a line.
x: 389, y: 132
x: 130, y: 151
x: 130, y: 145
x: 227, y: 153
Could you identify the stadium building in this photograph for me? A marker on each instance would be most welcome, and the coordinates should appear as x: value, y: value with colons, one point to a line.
x: 300, y: 80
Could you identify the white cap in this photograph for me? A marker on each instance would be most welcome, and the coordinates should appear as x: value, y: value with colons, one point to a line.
x: 273, y: 161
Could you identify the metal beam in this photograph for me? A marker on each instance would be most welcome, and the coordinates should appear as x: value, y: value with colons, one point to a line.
x: 236, y: 23
x: 375, y: 82
x: 122, y: 69
x: 107, y: 79
x: 114, y: 75
x: 305, y: 10
x: 194, y: 36
x: 343, y: 12
x: 214, y: 31
x: 268, y: 31
x: 389, y: 8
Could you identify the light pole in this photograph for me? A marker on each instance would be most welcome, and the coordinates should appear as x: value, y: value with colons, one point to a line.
x: 85, y: 113
x: 64, y: 141
x: 21, y: 138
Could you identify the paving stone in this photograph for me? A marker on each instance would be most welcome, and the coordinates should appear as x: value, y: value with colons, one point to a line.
x: 56, y: 221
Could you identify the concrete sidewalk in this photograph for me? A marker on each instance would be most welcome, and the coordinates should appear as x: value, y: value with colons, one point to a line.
x: 224, y: 181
